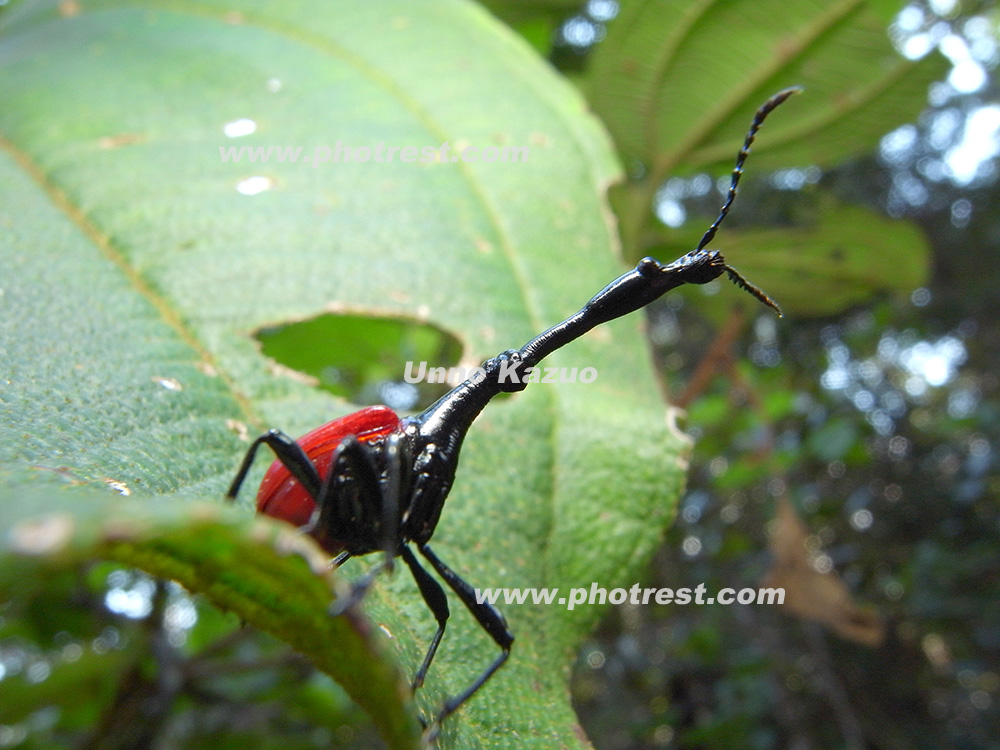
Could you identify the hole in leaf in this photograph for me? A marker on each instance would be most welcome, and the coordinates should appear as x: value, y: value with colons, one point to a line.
x: 363, y: 358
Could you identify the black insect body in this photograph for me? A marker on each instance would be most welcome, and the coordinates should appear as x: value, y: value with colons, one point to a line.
x: 373, y: 481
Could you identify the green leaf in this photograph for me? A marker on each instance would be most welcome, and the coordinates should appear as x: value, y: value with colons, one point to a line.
x: 135, y: 273
x: 847, y: 255
x: 532, y: 14
x: 677, y: 83
x: 265, y: 572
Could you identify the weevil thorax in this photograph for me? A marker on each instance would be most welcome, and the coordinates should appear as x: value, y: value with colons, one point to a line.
x: 435, y: 437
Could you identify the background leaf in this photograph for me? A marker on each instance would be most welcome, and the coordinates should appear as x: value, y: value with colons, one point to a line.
x: 678, y: 83
x: 843, y: 257
x: 674, y: 102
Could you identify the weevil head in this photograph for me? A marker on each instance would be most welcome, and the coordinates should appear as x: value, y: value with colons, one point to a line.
x: 698, y: 267
x: 703, y: 266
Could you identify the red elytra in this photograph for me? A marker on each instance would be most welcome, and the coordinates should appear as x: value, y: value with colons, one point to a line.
x: 280, y: 494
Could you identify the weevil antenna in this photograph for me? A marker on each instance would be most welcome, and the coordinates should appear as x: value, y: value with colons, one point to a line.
x: 742, y: 283
x: 758, y: 119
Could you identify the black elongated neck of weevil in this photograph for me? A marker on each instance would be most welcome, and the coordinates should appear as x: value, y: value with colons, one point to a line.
x: 631, y: 291
x: 446, y: 421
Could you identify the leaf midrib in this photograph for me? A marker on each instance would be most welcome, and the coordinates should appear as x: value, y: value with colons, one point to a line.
x: 702, y: 128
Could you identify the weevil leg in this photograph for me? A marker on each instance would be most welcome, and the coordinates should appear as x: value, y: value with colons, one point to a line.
x: 490, y: 619
x: 354, y: 497
x: 436, y: 601
x: 291, y: 456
